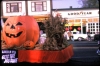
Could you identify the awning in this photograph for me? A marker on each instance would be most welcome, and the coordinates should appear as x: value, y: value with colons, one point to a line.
x: 41, y: 16
x: 71, y: 24
x: 35, y: 16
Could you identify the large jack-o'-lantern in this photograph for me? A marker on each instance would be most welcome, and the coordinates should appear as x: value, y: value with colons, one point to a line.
x: 19, y: 29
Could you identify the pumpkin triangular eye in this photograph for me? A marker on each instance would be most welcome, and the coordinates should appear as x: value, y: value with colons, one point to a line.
x: 7, y: 24
x: 19, y: 23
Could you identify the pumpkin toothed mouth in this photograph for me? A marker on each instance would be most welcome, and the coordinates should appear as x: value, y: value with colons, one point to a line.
x: 13, y: 35
x: 27, y: 46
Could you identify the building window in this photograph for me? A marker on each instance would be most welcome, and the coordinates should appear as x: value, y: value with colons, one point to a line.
x: 90, y: 20
x: 95, y: 20
x: 39, y: 6
x: 93, y: 29
x: 44, y: 6
x: 83, y: 20
x: 96, y: 23
x: 14, y: 7
x: 97, y: 30
x: 71, y: 20
x: 77, y: 20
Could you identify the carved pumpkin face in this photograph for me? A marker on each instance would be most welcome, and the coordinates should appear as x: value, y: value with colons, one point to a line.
x: 19, y: 29
x: 28, y: 45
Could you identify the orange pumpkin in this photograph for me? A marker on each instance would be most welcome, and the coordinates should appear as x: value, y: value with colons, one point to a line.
x: 19, y: 29
x: 28, y: 45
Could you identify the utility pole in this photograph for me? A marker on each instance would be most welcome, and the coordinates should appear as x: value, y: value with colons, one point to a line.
x: 51, y: 9
x: 26, y: 5
x: 1, y: 3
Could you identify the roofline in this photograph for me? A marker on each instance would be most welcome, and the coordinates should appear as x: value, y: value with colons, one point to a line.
x: 64, y: 9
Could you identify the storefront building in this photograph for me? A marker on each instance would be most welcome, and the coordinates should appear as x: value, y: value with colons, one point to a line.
x: 87, y: 18
x: 37, y: 9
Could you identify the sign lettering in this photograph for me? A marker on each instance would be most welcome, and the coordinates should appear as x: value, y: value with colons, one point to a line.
x: 80, y: 13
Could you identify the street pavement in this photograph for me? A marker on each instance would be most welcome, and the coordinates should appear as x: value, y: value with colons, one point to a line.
x: 84, y: 54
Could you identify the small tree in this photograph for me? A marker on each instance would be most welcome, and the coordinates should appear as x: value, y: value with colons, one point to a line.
x: 89, y: 3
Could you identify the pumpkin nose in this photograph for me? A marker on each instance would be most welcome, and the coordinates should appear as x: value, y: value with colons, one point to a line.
x: 28, y: 43
x: 12, y: 27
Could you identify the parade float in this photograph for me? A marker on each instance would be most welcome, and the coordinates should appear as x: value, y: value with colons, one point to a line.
x: 55, y: 49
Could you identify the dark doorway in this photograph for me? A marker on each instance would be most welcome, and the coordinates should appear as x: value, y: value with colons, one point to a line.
x: 41, y: 26
x: 84, y: 29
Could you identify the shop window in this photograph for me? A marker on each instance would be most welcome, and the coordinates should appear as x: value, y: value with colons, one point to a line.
x: 93, y: 29
x: 93, y: 32
x: 93, y: 26
x: 96, y: 23
x: 89, y: 20
x: 97, y: 30
x: 96, y: 26
x: 89, y: 29
x: 77, y: 20
x: 95, y: 20
x: 13, y: 7
x: 83, y: 20
x: 71, y: 20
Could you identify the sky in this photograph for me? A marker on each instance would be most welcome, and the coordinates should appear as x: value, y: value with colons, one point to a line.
x: 65, y: 4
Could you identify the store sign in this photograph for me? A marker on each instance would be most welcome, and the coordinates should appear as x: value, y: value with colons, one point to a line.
x: 80, y: 13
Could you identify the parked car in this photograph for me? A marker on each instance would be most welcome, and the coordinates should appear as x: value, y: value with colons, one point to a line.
x: 80, y: 37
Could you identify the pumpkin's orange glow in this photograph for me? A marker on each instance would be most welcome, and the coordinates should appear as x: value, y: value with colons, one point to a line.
x: 19, y: 29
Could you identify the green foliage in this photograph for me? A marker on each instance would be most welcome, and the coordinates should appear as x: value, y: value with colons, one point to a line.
x: 89, y: 3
